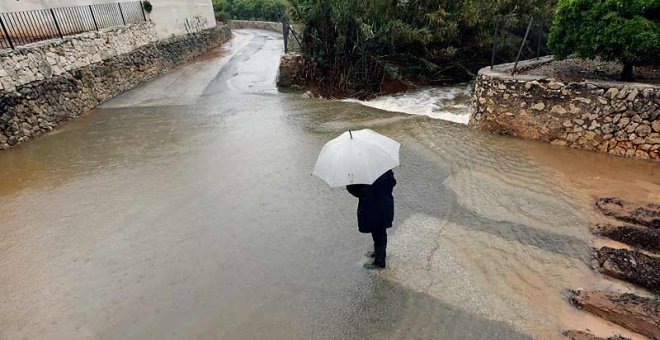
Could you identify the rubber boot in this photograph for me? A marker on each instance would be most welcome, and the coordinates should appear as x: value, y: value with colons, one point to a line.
x: 379, y: 259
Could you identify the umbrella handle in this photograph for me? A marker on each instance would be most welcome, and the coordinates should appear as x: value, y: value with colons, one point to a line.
x: 350, y: 133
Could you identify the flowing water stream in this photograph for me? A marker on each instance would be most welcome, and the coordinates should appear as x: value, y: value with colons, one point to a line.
x: 448, y: 103
x: 185, y: 208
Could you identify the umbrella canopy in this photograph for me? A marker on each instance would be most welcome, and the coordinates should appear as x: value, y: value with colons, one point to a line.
x: 356, y: 157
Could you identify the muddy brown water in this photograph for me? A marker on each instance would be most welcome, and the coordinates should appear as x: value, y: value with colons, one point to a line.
x: 185, y: 209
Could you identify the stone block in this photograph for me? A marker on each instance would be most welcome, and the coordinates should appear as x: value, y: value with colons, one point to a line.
x: 612, y: 92
x: 538, y: 106
x: 558, y: 109
x: 655, y: 125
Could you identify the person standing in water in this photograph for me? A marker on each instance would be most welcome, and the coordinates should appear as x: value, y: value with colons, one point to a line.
x: 375, y: 213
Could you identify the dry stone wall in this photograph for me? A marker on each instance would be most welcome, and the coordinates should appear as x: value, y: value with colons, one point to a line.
x: 292, y: 71
x: 621, y: 119
x: 260, y: 25
x: 57, y: 81
x: 54, y: 57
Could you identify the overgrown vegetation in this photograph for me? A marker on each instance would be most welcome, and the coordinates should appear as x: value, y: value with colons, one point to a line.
x: 357, y: 45
x: 266, y: 10
x: 148, y: 7
x: 627, y: 31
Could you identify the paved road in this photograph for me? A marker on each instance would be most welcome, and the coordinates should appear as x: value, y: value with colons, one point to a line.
x: 185, y: 209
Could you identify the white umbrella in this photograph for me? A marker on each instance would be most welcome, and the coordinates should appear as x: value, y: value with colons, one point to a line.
x: 356, y: 157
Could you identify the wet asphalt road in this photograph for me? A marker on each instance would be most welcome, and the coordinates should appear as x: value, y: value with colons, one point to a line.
x: 185, y: 209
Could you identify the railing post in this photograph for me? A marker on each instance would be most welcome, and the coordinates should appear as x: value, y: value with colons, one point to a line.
x: 293, y: 32
x: 492, y: 56
x: 515, y: 66
x: 121, y: 13
x: 56, y: 24
x: 285, y: 31
x: 144, y: 15
x: 6, y: 34
x: 538, y: 43
x: 91, y: 11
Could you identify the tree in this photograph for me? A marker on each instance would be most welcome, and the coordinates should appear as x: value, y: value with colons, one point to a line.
x: 627, y: 31
x: 358, y: 44
x: 268, y: 10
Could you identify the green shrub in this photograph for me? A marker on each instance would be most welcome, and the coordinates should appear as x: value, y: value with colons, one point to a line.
x: 266, y: 10
x: 148, y: 7
x: 627, y: 31
x: 221, y: 16
x: 355, y: 44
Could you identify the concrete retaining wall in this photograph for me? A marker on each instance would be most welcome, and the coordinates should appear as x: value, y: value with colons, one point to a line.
x: 52, y: 85
x: 621, y: 119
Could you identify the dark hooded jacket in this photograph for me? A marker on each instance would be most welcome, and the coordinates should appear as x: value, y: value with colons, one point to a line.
x: 376, y: 207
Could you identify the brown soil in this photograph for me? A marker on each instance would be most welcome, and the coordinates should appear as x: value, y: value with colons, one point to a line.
x: 582, y: 335
x: 637, y: 313
x: 630, y: 265
x: 641, y: 237
x: 643, y: 214
x: 574, y: 69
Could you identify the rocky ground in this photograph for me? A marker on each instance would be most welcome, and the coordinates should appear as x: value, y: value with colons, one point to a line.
x: 639, y: 265
x: 637, y: 313
x: 630, y: 265
x: 641, y: 237
x: 645, y: 214
x: 579, y: 69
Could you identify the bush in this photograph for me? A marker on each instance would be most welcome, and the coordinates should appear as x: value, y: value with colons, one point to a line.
x: 356, y: 44
x: 148, y: 7
x: 627, y: 31
x: 266, y: 10
x: 221, y: 16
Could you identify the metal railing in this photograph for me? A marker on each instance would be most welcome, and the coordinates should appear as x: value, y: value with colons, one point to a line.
x: 288, y: 30
x: 26, y: 27
x: 526, y: 49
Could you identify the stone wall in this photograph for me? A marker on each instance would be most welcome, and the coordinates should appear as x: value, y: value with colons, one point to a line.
x: 620, y: 119
x: 55, y: 57
x: 292, y: 71
x: 260, y: 25
x: 60, y: 80
x: 292, y: 41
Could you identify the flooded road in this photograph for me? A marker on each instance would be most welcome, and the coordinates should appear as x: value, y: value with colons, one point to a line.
x: 185, y: 209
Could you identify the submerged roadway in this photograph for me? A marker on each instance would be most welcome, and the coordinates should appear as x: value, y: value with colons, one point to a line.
x: 185, y: 209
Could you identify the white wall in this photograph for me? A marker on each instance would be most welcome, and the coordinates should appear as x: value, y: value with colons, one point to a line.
x: 170, y: 16
x: 182, y: 16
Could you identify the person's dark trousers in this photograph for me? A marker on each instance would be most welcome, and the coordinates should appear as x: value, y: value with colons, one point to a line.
x: 380, y: 246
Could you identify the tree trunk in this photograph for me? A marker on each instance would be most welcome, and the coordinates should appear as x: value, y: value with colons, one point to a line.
x: 627, y: 73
